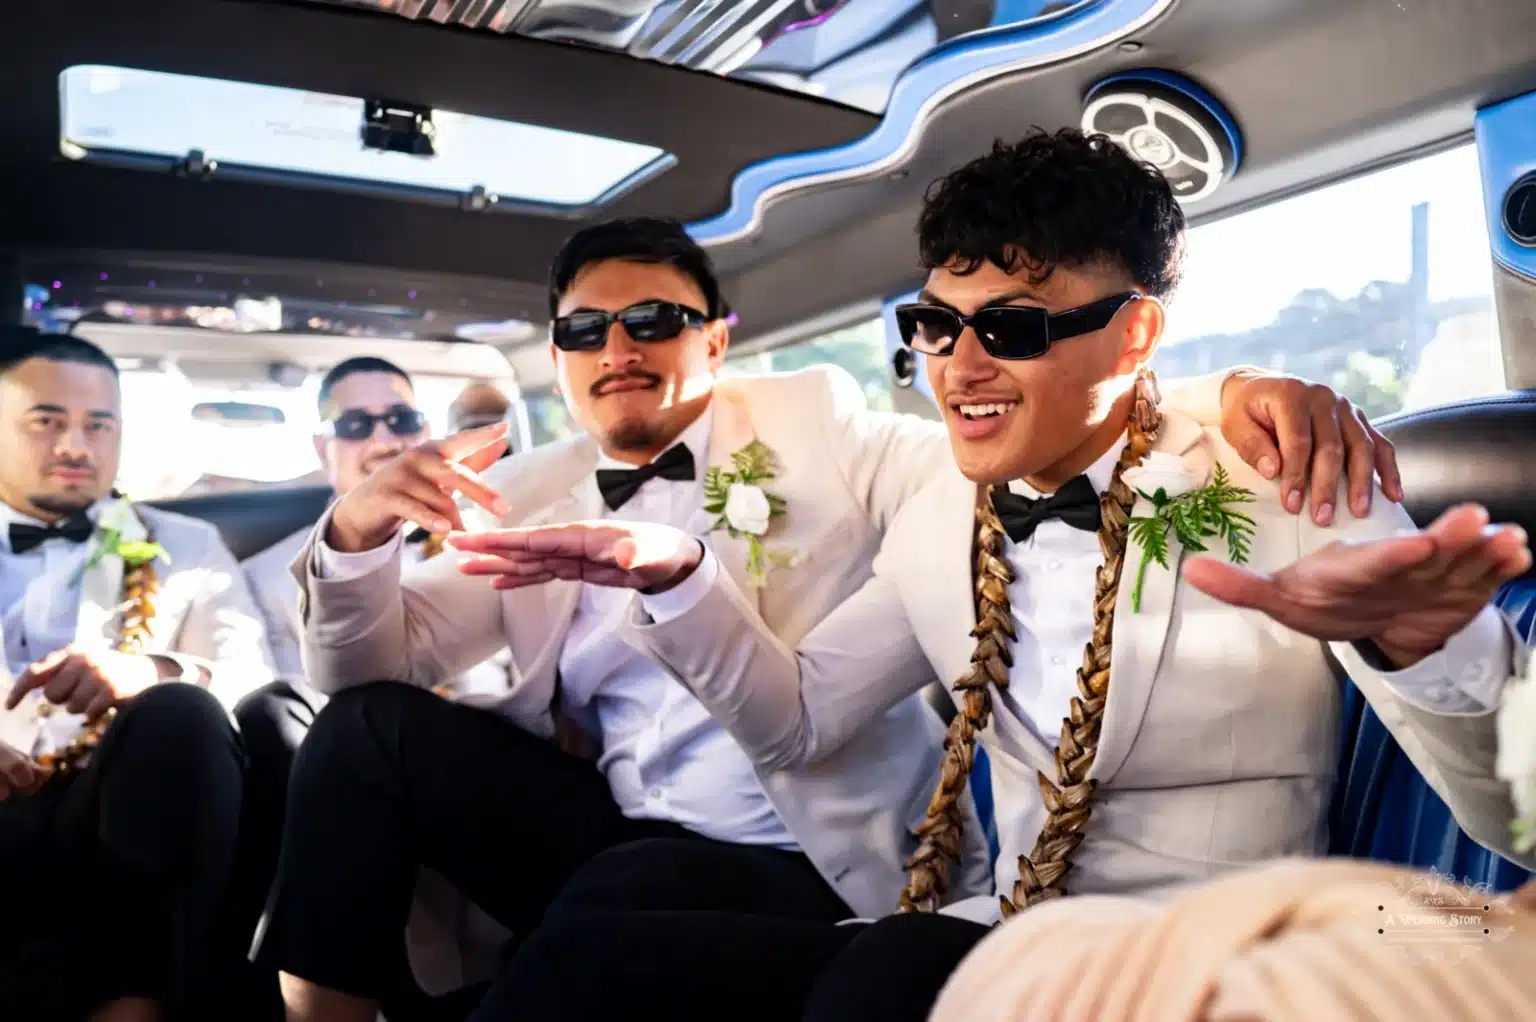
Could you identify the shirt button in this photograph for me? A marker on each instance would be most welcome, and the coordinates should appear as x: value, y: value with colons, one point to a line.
x: 654, y: 793
x: 1058, y: 661
x: 1476, y: 673
x: 1053, y: 565
x: 1438, y: 693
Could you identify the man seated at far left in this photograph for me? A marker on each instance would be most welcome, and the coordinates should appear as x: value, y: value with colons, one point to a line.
x: 125, y: 629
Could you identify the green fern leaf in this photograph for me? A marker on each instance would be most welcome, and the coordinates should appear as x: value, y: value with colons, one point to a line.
x: 1152, y: 536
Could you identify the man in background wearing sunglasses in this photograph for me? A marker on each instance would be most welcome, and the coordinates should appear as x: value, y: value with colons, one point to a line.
x: 672, y: 814
x: 368, y: 416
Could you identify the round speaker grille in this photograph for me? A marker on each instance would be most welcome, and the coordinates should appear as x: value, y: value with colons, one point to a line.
x: 1176, y: 129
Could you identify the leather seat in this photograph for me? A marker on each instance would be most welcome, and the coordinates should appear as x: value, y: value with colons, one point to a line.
x: 1481, y: 451
x: 252, y: 520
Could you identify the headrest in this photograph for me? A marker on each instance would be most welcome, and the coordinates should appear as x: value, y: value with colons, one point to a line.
x: 252, y: 520
x: 1481, y: 450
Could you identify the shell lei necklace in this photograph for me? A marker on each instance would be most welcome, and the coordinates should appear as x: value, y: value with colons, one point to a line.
x: 1069, y: 795
x: 141, y: 583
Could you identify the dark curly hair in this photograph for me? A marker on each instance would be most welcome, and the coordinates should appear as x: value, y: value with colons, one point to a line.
x: 641, y: 239
x: 1063, y: 200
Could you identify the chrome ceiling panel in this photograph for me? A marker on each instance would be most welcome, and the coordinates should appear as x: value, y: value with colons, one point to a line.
x: 847, y: 51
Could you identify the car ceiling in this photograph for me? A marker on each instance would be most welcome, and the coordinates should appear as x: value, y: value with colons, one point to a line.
x: 1321, y: 89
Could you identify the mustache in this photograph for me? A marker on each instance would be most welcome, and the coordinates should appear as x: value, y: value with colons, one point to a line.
x: 596, y: 389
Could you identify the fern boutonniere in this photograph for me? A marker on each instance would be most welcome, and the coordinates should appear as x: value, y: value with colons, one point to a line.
x: 743, y: 508
x: 1192, y: 514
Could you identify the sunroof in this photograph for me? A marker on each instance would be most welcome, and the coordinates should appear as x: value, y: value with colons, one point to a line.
x: 241, y: 129
x: 849, y: 51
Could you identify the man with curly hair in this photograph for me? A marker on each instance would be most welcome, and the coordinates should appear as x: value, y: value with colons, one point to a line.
x: 1153, y: 717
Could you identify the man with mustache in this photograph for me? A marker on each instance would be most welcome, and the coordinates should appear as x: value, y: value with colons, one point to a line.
x: 1140, y: 635
x: 125, y: 628
x: 673, y: 814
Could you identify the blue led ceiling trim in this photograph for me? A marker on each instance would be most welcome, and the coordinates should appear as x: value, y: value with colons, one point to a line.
x: 967, y: 62
x: 1506, y: 152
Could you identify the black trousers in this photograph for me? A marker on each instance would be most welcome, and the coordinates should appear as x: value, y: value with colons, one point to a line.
x: 687, y: 966
x: 393, y: 777
x: 273, y: 721
x: 111, y: 879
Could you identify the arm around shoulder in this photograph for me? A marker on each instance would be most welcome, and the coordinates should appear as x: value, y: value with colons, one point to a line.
x: 885, y: 457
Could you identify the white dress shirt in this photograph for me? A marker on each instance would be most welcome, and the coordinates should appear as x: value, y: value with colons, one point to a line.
x: 1052, y: 599
x: 39, y: 592
x: 663, y: 754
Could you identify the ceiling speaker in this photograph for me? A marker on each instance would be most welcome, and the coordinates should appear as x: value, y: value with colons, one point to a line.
x: 1171, y: 123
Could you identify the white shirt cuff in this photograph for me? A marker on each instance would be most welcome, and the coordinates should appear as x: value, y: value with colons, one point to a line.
x: 332, y: 565
x: 683, y: 597
x: 1467, y: 675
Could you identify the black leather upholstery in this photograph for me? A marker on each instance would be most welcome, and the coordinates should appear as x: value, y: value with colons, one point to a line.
x: 253, y: 520
x: 1481, y: 450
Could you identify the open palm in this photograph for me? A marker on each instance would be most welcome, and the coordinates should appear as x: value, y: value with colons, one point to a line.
x: 1407, y: 594
x: 622, y: 555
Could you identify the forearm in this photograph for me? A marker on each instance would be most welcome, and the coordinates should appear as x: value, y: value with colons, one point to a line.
x: 369, y: 620
x: 787, y: 708
x: 1199, y: 397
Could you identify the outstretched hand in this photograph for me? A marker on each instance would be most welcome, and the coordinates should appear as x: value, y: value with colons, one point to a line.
x: 1407, y: 594
x: 622, y: 555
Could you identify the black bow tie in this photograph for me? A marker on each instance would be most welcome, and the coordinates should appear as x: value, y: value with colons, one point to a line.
x: 77, y: 528
x: 618, y: 485
x: 1076, y: 503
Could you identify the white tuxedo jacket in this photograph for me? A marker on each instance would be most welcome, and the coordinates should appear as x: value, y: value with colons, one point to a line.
x: 1219, y: 741
x: 203, y: 612
x: 270, y: 574
x: 844, y: 473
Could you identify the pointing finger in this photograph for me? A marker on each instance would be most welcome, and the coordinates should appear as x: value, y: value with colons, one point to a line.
x: 461, y: 445
x: 485, y: 457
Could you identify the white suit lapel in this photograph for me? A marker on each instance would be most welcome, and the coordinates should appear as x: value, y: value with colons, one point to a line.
x: 1140, y: 636
x: 730, y: 431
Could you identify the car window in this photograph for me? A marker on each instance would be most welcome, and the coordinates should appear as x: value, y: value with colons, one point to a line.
x: 1381, y: 286
x: 169, y: 453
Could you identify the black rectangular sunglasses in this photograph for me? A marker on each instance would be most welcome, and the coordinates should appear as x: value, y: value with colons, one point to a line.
x: 1011, y: 332
x: 357, y: 424
x: 650, y: 321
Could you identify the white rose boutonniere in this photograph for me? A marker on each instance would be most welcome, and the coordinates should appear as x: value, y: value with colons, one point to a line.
x: 1517, y: 755
x: 747, y: 509
x: 743, y: 508
x: 114, y: 519
x: 1192, y: 514
x: 1160, y: 472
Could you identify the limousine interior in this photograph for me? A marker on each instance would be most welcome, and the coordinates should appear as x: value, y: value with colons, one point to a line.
x: 231, y: 195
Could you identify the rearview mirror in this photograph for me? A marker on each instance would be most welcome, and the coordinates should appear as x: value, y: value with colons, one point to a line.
x: 237, y: 413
